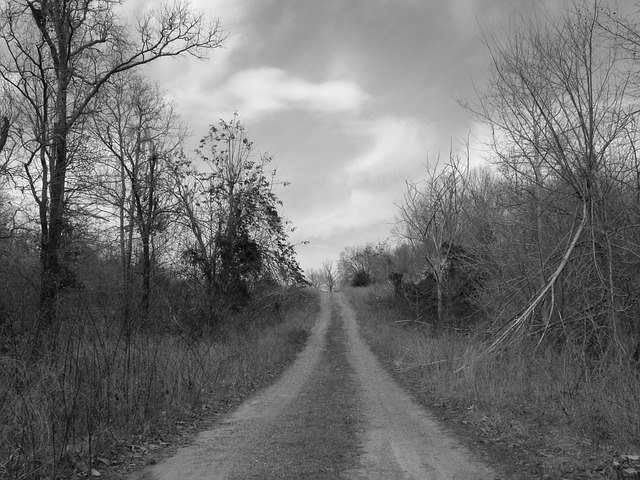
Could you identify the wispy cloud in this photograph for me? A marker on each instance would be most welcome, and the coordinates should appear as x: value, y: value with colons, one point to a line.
x: 396, y: 145
x: 351, y: 211
x: 259, y: 91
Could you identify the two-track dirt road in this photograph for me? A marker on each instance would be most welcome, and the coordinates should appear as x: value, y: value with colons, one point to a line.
x: 334, y: 414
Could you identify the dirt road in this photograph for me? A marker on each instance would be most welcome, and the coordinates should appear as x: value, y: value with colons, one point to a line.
x: 334, y: 414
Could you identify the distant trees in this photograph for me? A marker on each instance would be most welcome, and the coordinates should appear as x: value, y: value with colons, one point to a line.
x: 57, y: 56
x: 325, y: 277
x: 361, y: 266
x: 330, y: 275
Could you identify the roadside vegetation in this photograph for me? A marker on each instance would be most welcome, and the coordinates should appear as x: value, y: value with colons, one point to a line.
x: 554, y: 415
x: 141, y: 284
x: 108, y: 395
x: 510, y: 290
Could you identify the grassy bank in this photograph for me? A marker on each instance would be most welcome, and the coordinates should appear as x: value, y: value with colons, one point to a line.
x: 559, y: 415
x: 105, y: 393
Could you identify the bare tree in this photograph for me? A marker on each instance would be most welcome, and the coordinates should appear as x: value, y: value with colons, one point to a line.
x: 315, y: 277
x: 431, y: 220
x: 140, y: 132
x: 329, y: 275
x: 557, y: 102
x: 325, y: 277
x: 57, y: 55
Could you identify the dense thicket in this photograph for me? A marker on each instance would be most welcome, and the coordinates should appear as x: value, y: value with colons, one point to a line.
x: 544, y: 243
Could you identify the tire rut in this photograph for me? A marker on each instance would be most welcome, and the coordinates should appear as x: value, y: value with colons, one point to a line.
x: 401, y: 440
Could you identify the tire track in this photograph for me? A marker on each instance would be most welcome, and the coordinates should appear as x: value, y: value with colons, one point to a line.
x: 219, y: 452
x: 335, y: 414
x: 401, y: 440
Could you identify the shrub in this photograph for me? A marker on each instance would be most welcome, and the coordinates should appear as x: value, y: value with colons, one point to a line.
x: 361, y: 279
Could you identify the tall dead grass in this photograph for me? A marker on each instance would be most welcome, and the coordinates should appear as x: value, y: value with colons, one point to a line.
x: 102, y: 387
x: 527, y: 392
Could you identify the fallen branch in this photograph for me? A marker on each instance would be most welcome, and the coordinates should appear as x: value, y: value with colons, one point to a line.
x: 448, y: 327
x: 515, y: 326
x: 437, y: 362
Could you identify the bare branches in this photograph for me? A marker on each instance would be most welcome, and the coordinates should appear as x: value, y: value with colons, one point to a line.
x: 560, y: 108
x: 516, y: 327
x: 58, y: 56
x: 431, y: 217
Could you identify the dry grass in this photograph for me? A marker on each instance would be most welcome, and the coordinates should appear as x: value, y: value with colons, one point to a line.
x: 573, y: 415
x: 102, y: 388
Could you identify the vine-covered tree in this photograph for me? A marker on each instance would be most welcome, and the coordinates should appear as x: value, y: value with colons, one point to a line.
x: 234, y: 235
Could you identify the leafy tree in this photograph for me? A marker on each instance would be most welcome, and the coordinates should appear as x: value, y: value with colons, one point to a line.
x: 361, y: 278
x: 369, y: 263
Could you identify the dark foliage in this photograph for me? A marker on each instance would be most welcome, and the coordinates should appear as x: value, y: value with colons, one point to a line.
x: 361, y: 278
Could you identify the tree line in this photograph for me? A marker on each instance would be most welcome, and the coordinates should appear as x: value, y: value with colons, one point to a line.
x: 99, y: 197
x: 543, y: 243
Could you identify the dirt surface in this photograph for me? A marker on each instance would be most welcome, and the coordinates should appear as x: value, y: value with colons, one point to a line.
x: 335, y: 413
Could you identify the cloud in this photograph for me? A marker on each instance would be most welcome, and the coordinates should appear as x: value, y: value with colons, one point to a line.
x: 259, y: 91
x: 349, y: 211
x: 397, y: 145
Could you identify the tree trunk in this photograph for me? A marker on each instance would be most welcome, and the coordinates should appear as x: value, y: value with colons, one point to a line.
x: 51, y: 234
x: 146, y: 271
x: 4, y: 132
x: 126, y: 246
x: 440, y: 300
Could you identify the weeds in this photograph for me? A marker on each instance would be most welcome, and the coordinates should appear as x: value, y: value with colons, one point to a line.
x: 59, y: 412
x: 549, y: 395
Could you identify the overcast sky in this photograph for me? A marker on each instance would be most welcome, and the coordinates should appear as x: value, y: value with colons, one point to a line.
x: 350, y: 97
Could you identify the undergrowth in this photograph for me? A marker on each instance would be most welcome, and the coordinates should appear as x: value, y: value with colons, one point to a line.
x: 574, y: 414
x: 60, y: 412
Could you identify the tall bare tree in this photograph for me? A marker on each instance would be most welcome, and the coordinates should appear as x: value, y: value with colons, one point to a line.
x: 431, y: 220
x: 329, y: 275
x: 557, y: 101
x: 140, y: 132
x: 57, y: 55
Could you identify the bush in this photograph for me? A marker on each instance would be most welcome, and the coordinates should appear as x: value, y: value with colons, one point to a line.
x: 361, y: 279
